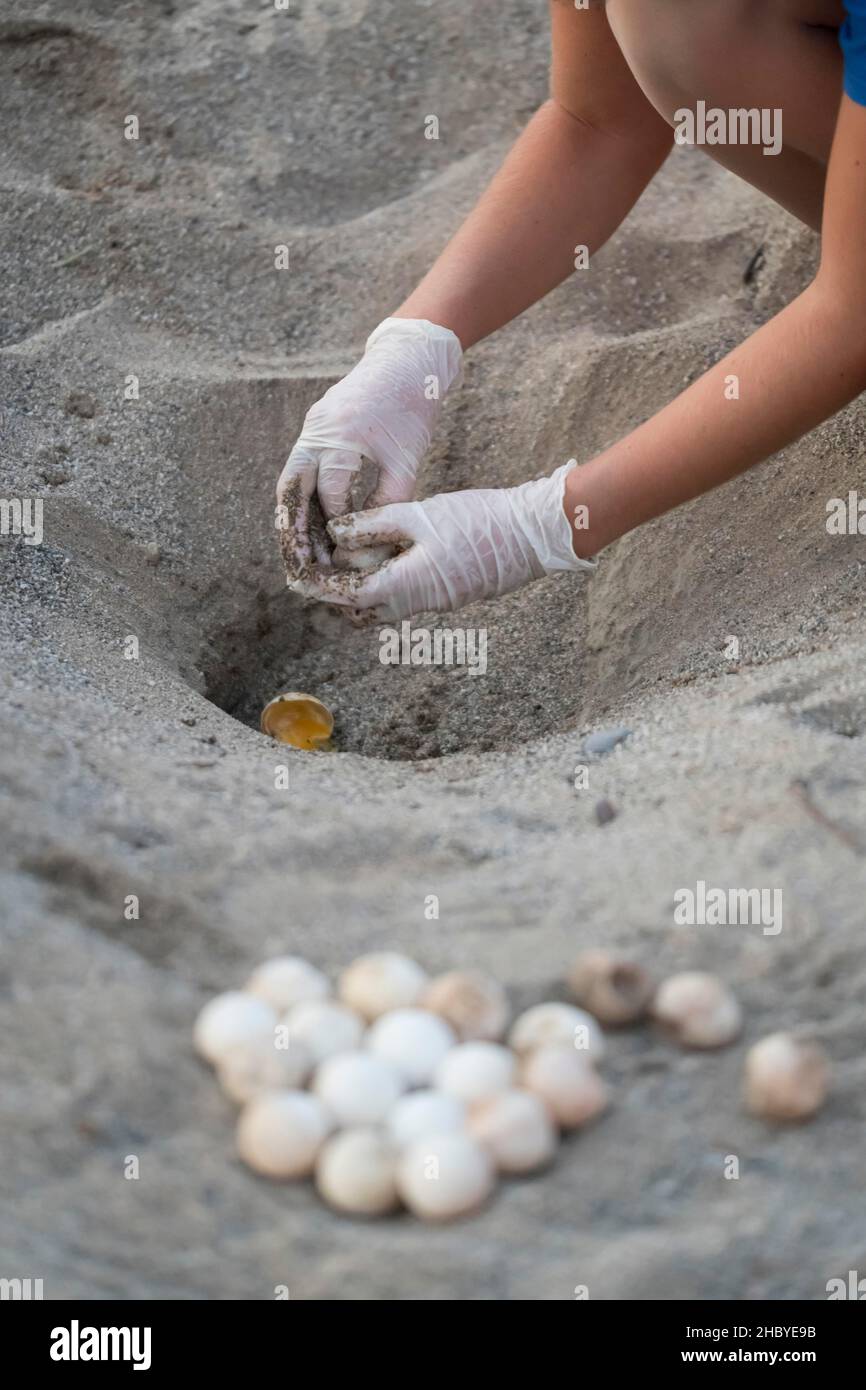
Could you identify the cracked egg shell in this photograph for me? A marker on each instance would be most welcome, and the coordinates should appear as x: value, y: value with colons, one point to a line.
x: 299, y: 720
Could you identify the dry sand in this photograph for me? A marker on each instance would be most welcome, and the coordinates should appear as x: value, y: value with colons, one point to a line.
x: 155, y: 259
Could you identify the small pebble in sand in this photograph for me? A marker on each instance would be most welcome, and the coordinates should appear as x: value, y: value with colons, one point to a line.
x: 280, y: 1134
x: 516, y: 1129
x: 323, y: 1028
x: 356, y: 1172
x: 612, y: 988
x: 286, y: 981
x: 358, y: 1088
x: 476, y: 1070
x: 425, y: 1112
x: 414, y: 1040
x: 299, y: 720
x: 475, y: 1005
x: 785, y: 1079
x: 567, y: 1082
x: 229, y: 1021
x: 259, y: 1065
x: 443, y: 1176
x: 697, y: 1010
x: 597, y: 744
x: 557, y: 1023
x: 379, y: 982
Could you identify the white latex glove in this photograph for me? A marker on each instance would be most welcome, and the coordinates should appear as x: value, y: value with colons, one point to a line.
x: 385, y: 409
x: 463, y: 546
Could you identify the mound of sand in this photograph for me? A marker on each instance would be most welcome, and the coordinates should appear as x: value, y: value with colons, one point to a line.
x: 155, y: 368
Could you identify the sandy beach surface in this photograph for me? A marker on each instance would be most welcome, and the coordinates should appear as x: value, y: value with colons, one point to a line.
x: 153, y: 259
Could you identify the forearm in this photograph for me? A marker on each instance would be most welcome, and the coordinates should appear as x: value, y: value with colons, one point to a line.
x: 796, y: 371
x: 564, y: 184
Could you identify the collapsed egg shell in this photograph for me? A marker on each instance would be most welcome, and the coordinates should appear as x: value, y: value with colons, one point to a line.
x: 567, y: 1082
x: 358, y: 1088
x: 425, y: 1112
x: 612, y: 988
x: 374, y: 984
x: 280, y: 1134
x: 230, y: 1020
x: 697, y: 1010
x: 356, y: 1172
x: 443, y: 1176
x: 476, y: 1070
x: 414, y: 1040
x: 286, y: 981
x: 298, y: 719
x: 557, y: 1023
x: 322, y: 1027
x: 475, y: 1005
x: 516, y: 1129
x: 785, y: 1078
x: 258, y: 1065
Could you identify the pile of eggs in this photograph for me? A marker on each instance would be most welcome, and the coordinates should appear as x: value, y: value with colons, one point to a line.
x: 409, y: 1091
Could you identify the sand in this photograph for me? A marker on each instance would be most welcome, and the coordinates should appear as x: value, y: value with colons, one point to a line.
x: 154, y: 260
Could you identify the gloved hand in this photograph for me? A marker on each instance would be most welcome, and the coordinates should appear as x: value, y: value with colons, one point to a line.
x: 385, y: 409
x: 463, y: 546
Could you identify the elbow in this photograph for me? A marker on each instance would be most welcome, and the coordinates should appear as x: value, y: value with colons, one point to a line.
x: 838, y: 311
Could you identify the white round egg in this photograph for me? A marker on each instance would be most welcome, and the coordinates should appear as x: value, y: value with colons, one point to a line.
x: 280, y: 1133
x: 229, y: 1020
x: 374, y: 984
x: 475, y: 1071
x: 414, y: 1040
x: 286, y: 981
x: 516, y: 1129
x: 425, y: 1112
x: 444, y: 1176
x: 259, y: 1065
x: 356, y: 1172
x: 567, y: 1082
x: 323, y: 1028
x: 557, y: 1023
x: 358, y: 1088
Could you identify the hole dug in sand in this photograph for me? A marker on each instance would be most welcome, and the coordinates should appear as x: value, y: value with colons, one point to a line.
x: 562, y: 654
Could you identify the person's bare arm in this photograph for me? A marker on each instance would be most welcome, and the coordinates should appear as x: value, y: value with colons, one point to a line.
x: 571, y: 178
x: 799, y: 369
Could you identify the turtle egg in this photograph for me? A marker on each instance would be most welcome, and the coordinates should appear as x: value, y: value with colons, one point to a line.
x: 444, y: 1176
x: 377, y: 983
x: 425, y: 1112
x: 258, y: 1065
x: 567, y: 1082
x: 516, y: 1129
x: 286, y: 981
x: 615, y: 990
x: 368, y: 557
x: 786, y: 1079
x: 358, y: 1088
x: 475, y: 1005
x: 414, y: 1040
x: 476, y: 1070
x: 557, y: 1023
x: 298, y: 719
x: 280, y: 1134
x: 322, y: 1027
x: 697, y: 1010
x: 229, y: 1020
x: 356, y: 1172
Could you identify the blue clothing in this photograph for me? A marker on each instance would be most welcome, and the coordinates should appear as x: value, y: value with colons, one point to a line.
x: 852, y: 37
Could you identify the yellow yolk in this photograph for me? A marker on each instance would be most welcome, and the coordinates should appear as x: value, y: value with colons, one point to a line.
x: 300, y: 720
